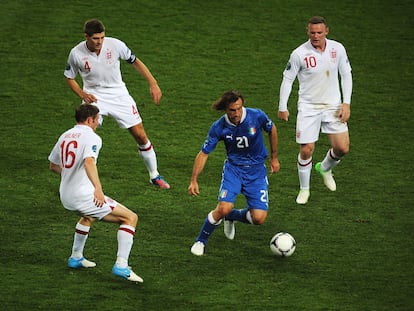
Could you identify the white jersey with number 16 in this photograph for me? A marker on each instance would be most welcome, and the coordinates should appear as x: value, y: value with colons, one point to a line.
x: 70, y: 151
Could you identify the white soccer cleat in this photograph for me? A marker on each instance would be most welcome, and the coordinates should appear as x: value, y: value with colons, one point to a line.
x: 198, y: 248
x: 229, y: 229
x: 327, y: 176
x: 126, y: 273
x: 80, y: 263
x: 135, y: 278
x: 303, y: 196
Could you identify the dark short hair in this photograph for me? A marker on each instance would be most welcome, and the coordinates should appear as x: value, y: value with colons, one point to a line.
x: 93, y: 26
x: 85, y: 111
x: 226, y: 99
x: 317, y: 20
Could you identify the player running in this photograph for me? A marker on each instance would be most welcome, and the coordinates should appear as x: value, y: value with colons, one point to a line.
x: 74, y: 158
x: 97, y: 61
x: 316, y: 63
x: 244, y: 171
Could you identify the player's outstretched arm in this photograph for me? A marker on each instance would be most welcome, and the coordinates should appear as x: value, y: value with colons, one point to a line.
x: 199, y: 163
x: 273, y: 142
x: 155, y: 90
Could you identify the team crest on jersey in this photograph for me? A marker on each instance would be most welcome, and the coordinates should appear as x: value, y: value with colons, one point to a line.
x: 223, y: 194
x: 333, y: 55
x: 67, y: 67
x: 252, y: 130
x: 109, y: 59
x: 94, y: 148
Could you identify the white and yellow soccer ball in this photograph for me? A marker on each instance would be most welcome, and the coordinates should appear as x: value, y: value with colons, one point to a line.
x: 283, y: 244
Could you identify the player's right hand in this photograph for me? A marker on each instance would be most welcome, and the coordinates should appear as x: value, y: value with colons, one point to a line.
x: 193, y: 189
x: 89, y: 98
x: 99, y: 198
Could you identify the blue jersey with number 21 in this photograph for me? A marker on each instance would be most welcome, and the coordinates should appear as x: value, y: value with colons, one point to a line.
x: 244, y: 170
x: 244, y: 142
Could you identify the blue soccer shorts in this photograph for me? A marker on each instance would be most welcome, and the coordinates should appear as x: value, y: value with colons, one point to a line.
x: 251, y: 181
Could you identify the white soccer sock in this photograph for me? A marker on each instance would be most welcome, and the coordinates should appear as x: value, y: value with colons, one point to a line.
x: 249, y: 217
x: 125, y: 237
x: 79, y: 240
x: 304, y: 172
x: 212, y: 220
x: 330, y: 161
x: 150, y: 159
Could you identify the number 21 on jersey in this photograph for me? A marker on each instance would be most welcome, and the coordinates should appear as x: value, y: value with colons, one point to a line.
x: 242, y: 142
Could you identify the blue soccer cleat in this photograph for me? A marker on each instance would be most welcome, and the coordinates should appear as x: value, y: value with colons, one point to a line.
x: 75, y: 263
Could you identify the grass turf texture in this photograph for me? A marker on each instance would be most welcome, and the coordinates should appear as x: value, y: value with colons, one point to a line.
x: 354, y: 247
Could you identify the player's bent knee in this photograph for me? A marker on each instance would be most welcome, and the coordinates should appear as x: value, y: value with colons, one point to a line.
x: 258, y: 217
x: 306, y: 151
x: 259, y: 221
x: 133, y: 218
x: 129, y: 217
x: 342, y: 151
x: 86, y: 221
x: 223, y: 210
x: 345, y: 150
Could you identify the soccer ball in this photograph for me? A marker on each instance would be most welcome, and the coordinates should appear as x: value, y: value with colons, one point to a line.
x: 282, y: 244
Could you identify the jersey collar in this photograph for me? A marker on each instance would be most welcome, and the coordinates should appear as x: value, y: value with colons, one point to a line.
x: 241, y: 120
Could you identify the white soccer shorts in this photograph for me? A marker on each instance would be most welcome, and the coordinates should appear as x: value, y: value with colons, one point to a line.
x: 310, y: 123
x: 122, y: 108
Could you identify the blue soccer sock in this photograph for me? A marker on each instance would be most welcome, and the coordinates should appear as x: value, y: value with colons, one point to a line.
x: 238, y: 215
x: 207, y: 229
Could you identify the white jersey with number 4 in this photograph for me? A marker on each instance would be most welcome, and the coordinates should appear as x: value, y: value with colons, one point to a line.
x: 317, y: 73
x: 101, y: 73
x: 70, y: 151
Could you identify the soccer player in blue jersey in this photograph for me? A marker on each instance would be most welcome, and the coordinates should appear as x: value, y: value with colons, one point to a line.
x: 244, y: 171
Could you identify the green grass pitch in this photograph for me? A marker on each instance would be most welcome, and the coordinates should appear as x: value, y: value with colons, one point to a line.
x: 355, y: 247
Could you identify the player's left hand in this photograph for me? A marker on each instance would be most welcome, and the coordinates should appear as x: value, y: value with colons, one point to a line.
x: 344, y: 112
x: 274, y: 165
x: 156, y: 93
x: 283, y: 115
